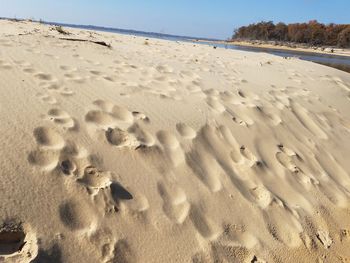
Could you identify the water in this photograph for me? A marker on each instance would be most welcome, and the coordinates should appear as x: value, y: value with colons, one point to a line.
x: 339, y: 62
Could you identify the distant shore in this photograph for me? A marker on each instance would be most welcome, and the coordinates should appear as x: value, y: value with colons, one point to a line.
x: 297, y: 48
x: 318, y: 50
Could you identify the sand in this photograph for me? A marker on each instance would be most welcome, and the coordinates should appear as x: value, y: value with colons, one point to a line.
x: 159, y: 151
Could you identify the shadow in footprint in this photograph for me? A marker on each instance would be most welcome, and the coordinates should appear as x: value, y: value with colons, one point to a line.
x: 53, y: 254
x: 119, y: 192
x: 12, y: 238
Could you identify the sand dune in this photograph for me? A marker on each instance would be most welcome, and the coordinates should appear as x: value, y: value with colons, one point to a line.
x: 168, y: 152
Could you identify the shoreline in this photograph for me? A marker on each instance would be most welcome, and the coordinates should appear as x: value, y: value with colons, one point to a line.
x: 337, y: 52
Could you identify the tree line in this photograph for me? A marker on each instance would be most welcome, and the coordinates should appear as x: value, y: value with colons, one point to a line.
x: 311, y: 33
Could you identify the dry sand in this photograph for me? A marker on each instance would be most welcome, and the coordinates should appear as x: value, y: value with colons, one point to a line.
x: 161, y: 151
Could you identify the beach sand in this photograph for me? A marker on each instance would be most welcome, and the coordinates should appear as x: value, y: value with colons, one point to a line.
x: 159, y: 151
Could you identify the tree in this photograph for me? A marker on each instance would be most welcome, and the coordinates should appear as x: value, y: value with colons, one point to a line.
x: 344, y: 38
x: 311, y: 33
x: 281, y: 32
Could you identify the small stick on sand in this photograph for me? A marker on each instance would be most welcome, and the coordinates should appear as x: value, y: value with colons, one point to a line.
x: 102, y: 43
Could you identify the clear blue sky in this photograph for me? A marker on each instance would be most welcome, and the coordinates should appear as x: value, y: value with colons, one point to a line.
x: 204, y: 18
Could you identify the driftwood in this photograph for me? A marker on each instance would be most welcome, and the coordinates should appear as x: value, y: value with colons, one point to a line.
x: 102, y: 43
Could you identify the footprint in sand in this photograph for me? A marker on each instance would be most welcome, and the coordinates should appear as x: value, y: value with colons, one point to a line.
x: 77, y: 78
x: 248, y: 95
x: 46, y: 159
x: 54, y: 152
x: 108, y: 115
x: 235, y: 153
x: 268, y: 114
x: 29, y: 70
x: 62, y: 119
x: 18, y: 243
x: 262, y: 196
x: 109, y: 195
x: 67, y: 68
x: 48, y: 138
x: 55, y: 87
x: 307, y: 120
x: 205, y: 167
x: 95, y: 180
x: 120, y: 138
x: 78, y: 216
x: 215, y: 104
x: 171, y: 147
x: 47, y: 98
x: 287, y: 158
x: 175, y: 204
x: 104, y: 241
x: 43, y: 76
x: 185, y: 131
x: 123, y: 252
x: 204, y: 225
x: 5, y: 66
x: 238, y: 118
x: 140, y: 116
x: 248, y: 155
x: 121, y: 127
x: 143, y: 137
x: 283, y: 225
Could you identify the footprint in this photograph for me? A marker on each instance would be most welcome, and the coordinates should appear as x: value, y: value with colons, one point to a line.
x: 283, y: 226
x: 204, y: 225
x: 215, y: 104
x: 29, y: 70
x: 77, y: 216
x: 62, y: 118
x: 43, y: 76
x: 46, y: 159
x: 286, y: 161
x: 5, y: 66
x: 167, y: 139
x: 205, y: 167
x: 48, y: 138
x: 67, y: 92
x: 95, y: 180
x: 123, y: 253
x: 143, y: 137
x: 100, y: 118
x: 18, y: 243
x: 185, y: 131
x: 248, y: 154
x: 47, y: 98
x: 176, y: 207
x: 121, y: 138
x: 109, y: 115
x: 104, y: 105
x: 235, y: 153
x: 140, y: 116
x: 307, y: 121
x: 262, y: 196
x: 171, y: 147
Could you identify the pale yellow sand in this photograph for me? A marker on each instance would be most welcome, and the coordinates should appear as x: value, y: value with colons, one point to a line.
x: 168, y: 152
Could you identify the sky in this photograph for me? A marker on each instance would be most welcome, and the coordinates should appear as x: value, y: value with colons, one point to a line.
x: 199, y: 18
